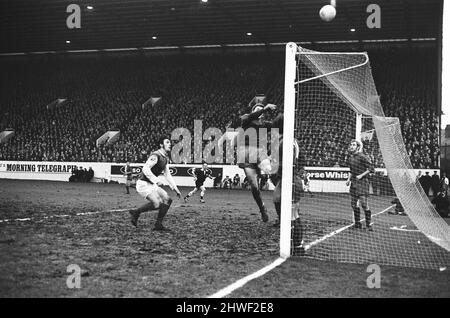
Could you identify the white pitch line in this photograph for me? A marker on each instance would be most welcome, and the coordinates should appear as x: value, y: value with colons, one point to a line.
x: 62, y: 216
x: 402, y: 229
x: 238, y: 284
x: 323, y: 238
x: 241, y: 282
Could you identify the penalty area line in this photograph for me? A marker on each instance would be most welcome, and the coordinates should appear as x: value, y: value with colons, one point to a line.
x: 241, y: 282
x: 62, y: 216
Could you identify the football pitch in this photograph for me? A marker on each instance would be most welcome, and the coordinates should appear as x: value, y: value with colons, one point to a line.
x: 47, y: 226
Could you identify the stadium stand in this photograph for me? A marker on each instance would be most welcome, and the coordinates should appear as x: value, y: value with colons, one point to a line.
x: 107, y: 94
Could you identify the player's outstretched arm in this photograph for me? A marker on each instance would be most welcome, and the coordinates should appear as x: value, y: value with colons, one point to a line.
x: 171, y: 181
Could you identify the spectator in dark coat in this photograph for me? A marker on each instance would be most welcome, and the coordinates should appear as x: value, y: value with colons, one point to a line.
x: 435, y: 181
x: 427, y: 183
x: 442, y: 204
x: 73, y: 177
x: 217, y: 181
x: 90, y: 175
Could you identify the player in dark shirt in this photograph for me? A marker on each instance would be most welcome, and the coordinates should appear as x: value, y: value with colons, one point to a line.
x: 200, y: 176
x: 360, y: 167
x: 254, y: 119
x: 128, y: 173
x: 149, y: 185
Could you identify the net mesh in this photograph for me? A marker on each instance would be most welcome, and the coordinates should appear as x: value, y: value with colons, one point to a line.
x: 332, y: 88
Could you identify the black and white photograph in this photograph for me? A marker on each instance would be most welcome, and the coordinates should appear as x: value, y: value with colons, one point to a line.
x: 224, y: 154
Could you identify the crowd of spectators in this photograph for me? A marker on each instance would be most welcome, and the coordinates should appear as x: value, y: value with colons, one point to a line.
x: 81, y: 175
x: 107, y: 92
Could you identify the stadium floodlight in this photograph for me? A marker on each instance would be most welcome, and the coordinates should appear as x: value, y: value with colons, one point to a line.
x: 330, y: 100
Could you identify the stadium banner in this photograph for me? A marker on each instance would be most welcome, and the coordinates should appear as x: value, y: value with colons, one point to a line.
x: 322, y: 179
x: 52, y: 171
x: 182, y: 174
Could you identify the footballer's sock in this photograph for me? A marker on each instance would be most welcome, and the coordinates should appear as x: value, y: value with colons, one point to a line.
x: 357, y: 215
x: 297, y: 232
x: 278, y: 209
x: 128, y: 189
x: 368, y: 215
x: 257, y: 196
x: 163, y: 208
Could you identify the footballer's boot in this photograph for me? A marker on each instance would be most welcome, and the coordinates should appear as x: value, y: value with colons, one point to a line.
x: 161, y: 228
x: 134, y: 217
x: 202, y: 200
x: 264, y: 215
x: 298, y: 251
x: 186, y: 199
x: 357, y: 225
x: 369, y: 228
x: 357, y: 217
x: 368, y: 215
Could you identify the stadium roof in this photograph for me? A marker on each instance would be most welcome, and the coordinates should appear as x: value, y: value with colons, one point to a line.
x: 40, y: 25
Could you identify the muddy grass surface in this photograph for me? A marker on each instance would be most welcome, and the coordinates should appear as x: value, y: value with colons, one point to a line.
x: 212, y: 245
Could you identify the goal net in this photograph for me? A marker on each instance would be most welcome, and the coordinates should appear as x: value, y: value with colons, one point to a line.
x: 383, y: 215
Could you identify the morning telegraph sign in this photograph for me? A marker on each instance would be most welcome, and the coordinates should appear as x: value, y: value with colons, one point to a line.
x: 37, y: 167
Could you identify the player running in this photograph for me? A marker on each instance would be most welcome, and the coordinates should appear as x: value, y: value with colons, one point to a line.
x: 200, y: 176
x: 360, y: 167
x: 149, y: 185
x: 254, y: 119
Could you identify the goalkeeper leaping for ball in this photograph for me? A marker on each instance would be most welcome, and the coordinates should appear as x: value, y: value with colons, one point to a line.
x: 360, y: 168
x: 149, y: 185
x: 254, y: 119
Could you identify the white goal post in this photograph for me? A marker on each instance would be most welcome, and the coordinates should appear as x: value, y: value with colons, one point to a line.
x: 336, y: 89
x: 288, y: 136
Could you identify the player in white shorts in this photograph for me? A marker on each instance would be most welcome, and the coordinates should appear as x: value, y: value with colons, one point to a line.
x: 149, y: 185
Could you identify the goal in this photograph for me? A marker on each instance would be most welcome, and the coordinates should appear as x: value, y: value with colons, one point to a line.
x: 330, y: 99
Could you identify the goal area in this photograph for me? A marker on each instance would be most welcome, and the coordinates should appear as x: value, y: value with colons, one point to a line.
x: 382, y: 216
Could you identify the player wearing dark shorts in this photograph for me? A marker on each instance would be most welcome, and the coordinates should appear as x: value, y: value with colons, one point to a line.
x: 200, y: 176
x: 254, y: 119
x: 360, y: 167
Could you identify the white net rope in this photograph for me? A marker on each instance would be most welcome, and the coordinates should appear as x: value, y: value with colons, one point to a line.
x: 331, y: 89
